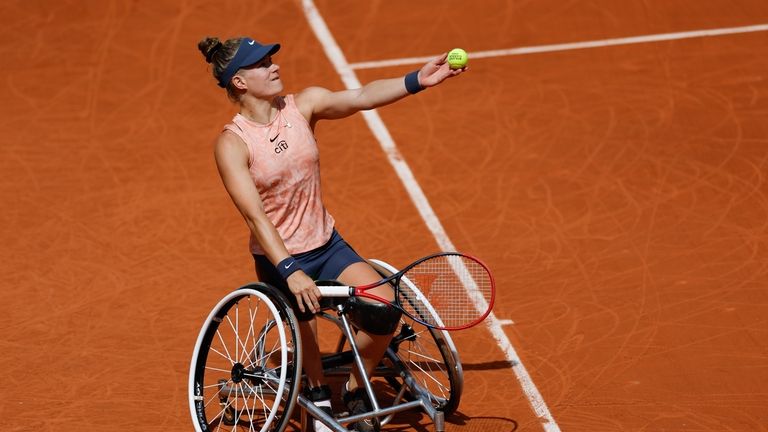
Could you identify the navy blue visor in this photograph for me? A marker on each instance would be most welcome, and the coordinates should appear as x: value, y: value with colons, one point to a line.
x: 250, y: 52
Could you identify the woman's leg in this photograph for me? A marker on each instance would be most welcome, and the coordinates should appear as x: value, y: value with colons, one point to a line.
x: 371, y: 346
x: 316, y: 390
x: 311, y: 359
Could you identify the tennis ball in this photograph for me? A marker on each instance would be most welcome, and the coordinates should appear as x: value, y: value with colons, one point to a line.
x: 457, y: 58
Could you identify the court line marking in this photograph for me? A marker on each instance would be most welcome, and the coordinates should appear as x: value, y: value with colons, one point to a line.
x: 376, y: 124
x: 571, y: 46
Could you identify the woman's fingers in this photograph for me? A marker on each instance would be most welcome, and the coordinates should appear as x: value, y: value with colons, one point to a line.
x: 300, y: 302
x: 310, y: 297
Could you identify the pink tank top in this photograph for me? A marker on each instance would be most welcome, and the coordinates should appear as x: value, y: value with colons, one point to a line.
x: 285, y: 166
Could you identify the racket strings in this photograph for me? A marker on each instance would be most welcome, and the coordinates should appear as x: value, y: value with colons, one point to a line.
x: 446, y: 291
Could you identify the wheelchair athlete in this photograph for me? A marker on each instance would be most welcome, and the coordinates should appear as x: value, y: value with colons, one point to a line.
x: 268, y: 160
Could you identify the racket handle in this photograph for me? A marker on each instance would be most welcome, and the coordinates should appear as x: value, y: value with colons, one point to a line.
x: 335, y: 291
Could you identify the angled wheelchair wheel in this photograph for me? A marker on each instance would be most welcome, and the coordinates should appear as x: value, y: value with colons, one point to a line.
x: 430, y: 365
x: 428, y: 358
x: 246, y: 365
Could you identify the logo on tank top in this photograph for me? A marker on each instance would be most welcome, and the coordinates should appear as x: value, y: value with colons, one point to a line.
x: 281, y: 146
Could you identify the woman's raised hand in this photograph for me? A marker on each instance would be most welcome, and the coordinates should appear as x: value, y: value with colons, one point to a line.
x: 438, y: 70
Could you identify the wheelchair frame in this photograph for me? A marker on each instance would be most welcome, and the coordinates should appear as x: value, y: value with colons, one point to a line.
x: 248, y: 377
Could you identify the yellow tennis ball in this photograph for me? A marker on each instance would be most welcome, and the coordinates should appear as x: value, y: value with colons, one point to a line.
x: 457, y: 58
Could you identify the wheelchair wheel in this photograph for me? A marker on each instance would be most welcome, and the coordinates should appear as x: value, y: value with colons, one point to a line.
x: 430, y: 365
x: 246, y: 365
x: 428, y: 358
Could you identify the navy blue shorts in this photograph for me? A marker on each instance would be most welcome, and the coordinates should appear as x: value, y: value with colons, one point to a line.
x: 324, y: 263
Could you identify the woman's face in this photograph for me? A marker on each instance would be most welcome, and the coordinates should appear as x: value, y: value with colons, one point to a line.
x: 263, y: 78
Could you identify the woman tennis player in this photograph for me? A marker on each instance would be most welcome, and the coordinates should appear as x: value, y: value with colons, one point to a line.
x: 268, y: 160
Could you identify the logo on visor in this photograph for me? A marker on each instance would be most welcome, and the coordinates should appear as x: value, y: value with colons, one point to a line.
x: 250, y: 43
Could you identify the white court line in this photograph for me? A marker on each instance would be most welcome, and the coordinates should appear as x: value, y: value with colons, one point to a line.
x: 571, y: 46
x: 402, y: 169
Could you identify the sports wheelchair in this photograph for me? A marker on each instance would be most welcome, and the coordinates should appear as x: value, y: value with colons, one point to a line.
x: 246, y: 372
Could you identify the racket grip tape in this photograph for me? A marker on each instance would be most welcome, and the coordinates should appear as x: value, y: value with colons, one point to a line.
x: 335, y: 291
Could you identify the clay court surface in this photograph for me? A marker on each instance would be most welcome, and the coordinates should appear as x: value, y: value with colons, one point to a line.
x: 618, y: 193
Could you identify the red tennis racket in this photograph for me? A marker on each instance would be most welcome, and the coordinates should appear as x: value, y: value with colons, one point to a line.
x: 445, y: 291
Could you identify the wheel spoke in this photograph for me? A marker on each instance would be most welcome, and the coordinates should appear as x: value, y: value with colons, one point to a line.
x: 253, y: 311
x: 223, y: 355
x: 221, y: 412
x: 257, y: 346
x: 425, y: 357
x: 224, y: 345
x: 237, y: 331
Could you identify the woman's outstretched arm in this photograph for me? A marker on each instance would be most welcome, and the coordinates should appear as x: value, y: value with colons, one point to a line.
x: 317, y: 103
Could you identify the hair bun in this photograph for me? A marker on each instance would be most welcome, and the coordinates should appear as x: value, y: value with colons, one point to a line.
x: 209, y: 46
